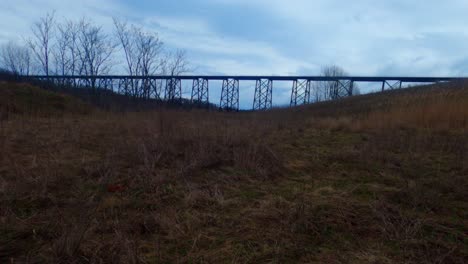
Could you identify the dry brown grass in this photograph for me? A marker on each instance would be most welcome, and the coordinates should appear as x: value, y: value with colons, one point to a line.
x: 27, y: 100
x: 340, y: 182
x: 436, y: 108
x: 444, y: 110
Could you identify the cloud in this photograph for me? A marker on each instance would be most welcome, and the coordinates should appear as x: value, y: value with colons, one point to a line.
x: 367, y: 36
x: 17, y: 16
x: 363, y: 36
x: 224, y: 54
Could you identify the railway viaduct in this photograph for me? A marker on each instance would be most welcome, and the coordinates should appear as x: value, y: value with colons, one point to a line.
x: 170, y: 87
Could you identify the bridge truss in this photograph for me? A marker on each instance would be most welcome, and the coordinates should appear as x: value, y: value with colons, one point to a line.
x: 169, y: 88
x: 263, y: 98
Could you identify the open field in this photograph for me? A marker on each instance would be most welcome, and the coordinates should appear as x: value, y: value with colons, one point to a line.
x: 379, y: 178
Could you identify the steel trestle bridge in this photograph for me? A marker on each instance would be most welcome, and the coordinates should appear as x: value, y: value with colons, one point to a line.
x: 170, y: 87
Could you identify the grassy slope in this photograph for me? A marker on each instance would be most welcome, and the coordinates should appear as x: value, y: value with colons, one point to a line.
x: 372, y: 179
x: 27, y: 100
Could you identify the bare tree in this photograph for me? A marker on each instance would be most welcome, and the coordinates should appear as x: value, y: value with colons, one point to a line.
x: 128, y: 45
x: 61, y: 49
x: 40, y: 44
x: 150, y: 63
x: 72, y: 31
x: 95, y: 49
x: 317, y: 92
x: 176, y: 63
x: 149, y: 48
x: 65, y: 50
x: 331, y: 90
x: 15, y: 58
x: 142, y: 52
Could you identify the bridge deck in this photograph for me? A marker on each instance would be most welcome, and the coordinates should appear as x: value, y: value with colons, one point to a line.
x: 254, y: 78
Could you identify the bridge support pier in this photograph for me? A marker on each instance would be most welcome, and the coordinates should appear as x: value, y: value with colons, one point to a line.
x: 173, y: 90
x: 300, y: 92
x: 200, y: 91
x: 343, y: 87
x: 230, y: 95
x: 349, y: 87
x: 396, y: 85
x: 150, y: 88
x: 124, y: 86
x: 155, y: 87
x: 105, y: 84
x: 263, y: 94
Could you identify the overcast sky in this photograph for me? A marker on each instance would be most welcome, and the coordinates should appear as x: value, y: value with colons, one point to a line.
x: 279, y: 37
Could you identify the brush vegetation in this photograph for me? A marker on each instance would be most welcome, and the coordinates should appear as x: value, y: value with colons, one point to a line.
x: 379, y: 178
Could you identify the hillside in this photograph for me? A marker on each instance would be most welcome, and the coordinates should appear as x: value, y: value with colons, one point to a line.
x: 28, y: 100
x: 380, y: 178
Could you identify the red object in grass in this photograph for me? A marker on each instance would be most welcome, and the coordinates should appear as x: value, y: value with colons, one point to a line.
x: 115, y: 188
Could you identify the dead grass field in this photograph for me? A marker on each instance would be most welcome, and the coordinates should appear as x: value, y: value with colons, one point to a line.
x: 371, y: 179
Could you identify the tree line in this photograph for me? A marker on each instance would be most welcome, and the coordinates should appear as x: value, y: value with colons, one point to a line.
x: 82, y: 47
x: 69, y: 47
